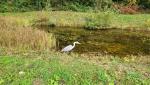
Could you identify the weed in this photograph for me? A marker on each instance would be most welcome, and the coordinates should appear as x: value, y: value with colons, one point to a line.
x: 99, y: 21
x: 134, y: 78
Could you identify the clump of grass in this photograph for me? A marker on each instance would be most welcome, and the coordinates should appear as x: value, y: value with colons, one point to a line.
x: 132, y: 78
x: 99, y: 21
x: 23, y: 38
x: 43, y: 19
x: 147, y: 24
x: 9, y: 21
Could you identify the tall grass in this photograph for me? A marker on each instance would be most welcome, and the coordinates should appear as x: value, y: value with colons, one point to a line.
x: 42, y: 19
x: 80, y: 19
x: 99, y: 21
x: 23, y: 38
x: 9, y: 21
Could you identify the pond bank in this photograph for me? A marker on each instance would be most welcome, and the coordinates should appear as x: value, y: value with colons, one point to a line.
x: 80, y: 19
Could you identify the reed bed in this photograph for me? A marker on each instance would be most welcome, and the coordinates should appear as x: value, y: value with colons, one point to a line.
x: 23, y: 38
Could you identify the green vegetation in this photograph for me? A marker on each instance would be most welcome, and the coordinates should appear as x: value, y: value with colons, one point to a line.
x: 79, y: 19
x: 100, y: 21
x: 51, y: 68
x: 15, y: 36
x: 72, y: 5
x: 26, y: 52
x: 32, y: 5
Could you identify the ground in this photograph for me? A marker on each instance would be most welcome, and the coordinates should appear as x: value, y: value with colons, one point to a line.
x: 54, y: 68
x: 47, y: 67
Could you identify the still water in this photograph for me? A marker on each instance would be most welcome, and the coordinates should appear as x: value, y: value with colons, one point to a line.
x: 112, y: 41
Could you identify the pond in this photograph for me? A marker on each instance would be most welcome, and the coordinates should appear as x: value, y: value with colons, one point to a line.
x: 112, y: 41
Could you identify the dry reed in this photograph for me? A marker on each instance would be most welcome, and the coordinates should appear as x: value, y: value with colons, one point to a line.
x: 23, y: 38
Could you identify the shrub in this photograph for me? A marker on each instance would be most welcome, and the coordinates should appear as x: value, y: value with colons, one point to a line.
x: 100, y: 21
x: 34, y: 5
x: 128, y: 9
x: 103, y: 4
x: 144, y: 3
x: 76, y: 7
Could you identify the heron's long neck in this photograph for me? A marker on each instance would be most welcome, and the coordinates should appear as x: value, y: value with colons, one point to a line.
x: 74, y: 44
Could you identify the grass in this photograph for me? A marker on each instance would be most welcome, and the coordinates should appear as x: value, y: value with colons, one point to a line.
x: 79, y: 19
x: 99, y: 21
x: 41, y: 67
x: 14, y: 35
x: 52, y: 68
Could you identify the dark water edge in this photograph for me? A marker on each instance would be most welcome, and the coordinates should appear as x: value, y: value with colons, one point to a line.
x: 111, y: 41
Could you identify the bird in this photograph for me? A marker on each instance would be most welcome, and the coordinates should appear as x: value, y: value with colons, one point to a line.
x: 69, y: 47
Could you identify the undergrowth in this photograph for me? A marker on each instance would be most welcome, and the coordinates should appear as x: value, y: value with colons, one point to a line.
x: 15, y: 36
x: 51, y: 68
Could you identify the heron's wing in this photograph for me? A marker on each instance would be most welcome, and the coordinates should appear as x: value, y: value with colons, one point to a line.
x: 67, y: 48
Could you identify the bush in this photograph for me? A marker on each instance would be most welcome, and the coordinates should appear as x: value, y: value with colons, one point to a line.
x: 34, y: 5
x: 103, y: 4
x: 76, y: 7
x: 144, y: 3
x: 129, y: 9
x: 24, y: 5
x: 100, y: 21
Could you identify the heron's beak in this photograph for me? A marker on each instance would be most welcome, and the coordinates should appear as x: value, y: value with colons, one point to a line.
x: 79, y: 43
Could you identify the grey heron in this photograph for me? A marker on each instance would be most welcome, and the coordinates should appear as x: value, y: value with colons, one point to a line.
x: 69, y: 47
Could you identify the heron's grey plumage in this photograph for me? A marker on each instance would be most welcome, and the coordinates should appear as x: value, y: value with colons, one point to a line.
x: 69, y: 47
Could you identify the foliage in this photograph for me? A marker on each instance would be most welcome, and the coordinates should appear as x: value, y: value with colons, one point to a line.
x: 144, y: 3
x: 99, y: 21
x: 103, y: 4
x: 74, y: 5
x: 134, y: 78
x: 23, y: 5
